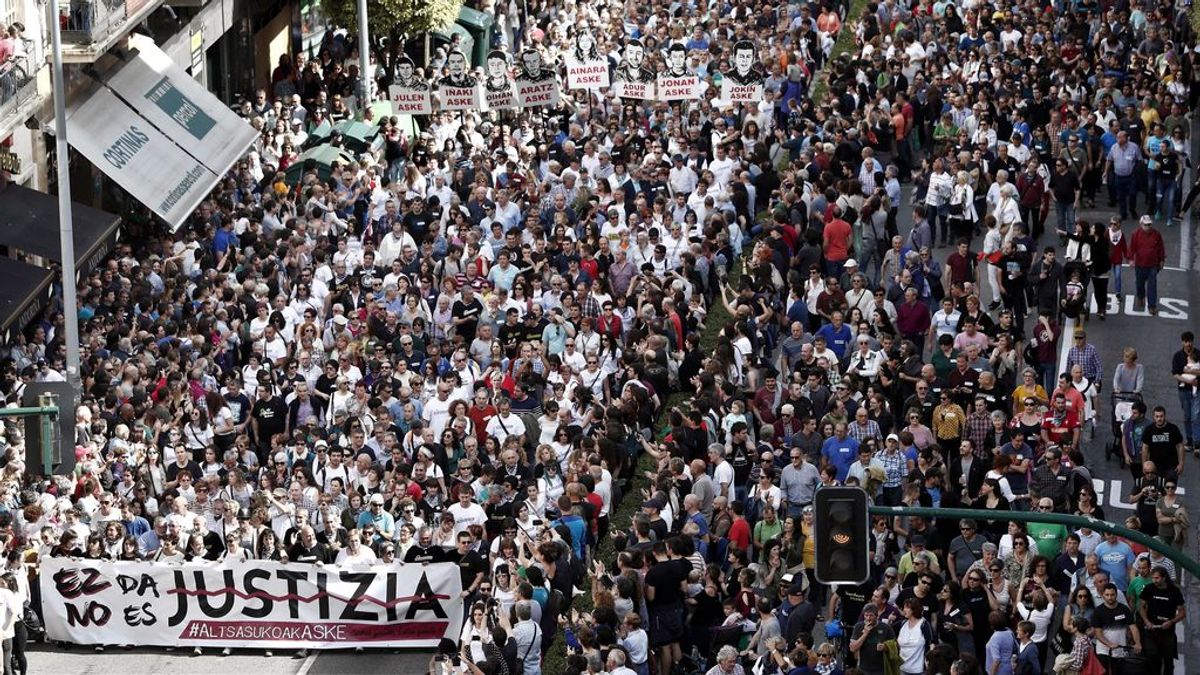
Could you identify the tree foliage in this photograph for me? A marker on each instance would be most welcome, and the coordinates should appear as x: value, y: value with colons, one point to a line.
x: 400, y: 18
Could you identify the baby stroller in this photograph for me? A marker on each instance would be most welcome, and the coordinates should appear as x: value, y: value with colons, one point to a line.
x: 1126, y: 662
x: 1122, y: 410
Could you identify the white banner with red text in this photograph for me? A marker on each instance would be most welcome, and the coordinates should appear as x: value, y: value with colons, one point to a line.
x: 255, y: 604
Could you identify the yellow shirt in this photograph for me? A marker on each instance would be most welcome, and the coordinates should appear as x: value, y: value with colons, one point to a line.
x: 809, y: 552
x: 948, y: 421
x: 1022, y: 392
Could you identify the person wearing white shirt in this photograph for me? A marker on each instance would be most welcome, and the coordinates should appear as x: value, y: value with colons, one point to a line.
x: 616, y: 663
x: 1010, y: 39
x: 393, y: 244
x: 504, y: 424
x: 355, y: 552
x: 642, y: 251
x: 1008, y: 211
x: 865, y: 363
x: 722, y: 167
x: 436, y: 412
x: 696, y: 201
x: 945, y: 320
x: 11, y: 606
x: 722, y: 470
x: 682, y: 179
x: 466, y: 512
x: 507, y: 212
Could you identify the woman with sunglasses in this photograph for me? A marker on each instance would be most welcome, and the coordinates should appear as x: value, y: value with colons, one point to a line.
x: 1173, y: 520
x: 1088, y: 506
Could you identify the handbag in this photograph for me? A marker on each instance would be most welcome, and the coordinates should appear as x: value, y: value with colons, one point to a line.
x: 30, y: 618
x: 1092, y: 665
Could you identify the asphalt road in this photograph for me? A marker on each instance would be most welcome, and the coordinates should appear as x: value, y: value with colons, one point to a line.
x: 1156, y: 340
x: 77, y: 661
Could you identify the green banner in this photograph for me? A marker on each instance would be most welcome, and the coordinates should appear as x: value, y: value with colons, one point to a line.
x: 181, y: 109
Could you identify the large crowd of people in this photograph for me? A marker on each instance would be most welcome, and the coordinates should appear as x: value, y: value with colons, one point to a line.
x: 462, y: 348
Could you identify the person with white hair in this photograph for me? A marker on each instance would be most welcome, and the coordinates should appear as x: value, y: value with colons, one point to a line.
x: 727, y: 662
x: 1008, y: 211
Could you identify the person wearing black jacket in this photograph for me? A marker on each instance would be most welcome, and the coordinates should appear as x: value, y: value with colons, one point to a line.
x: 308, y: 550
x: 1046, y: 280
x: 965, y: 474
x: 1101, y: 266
x: 424, y: 550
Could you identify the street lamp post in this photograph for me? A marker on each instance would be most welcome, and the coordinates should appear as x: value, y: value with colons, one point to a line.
x: 364, y: 51
x: 66, y: 230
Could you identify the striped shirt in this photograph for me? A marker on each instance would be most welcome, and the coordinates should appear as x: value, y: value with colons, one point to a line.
x: 1124, y: 160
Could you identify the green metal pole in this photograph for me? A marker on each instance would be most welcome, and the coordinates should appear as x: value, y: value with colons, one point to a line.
x: 47, y: 400
x: 32, y: 410
x: 1179, y: 557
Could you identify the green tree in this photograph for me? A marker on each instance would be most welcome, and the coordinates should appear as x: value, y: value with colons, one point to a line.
x: 393, y: 22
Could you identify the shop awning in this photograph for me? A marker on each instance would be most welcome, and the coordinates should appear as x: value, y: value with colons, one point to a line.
x: 24, y: 291
x: 157, y: 132
x: 29, y: 224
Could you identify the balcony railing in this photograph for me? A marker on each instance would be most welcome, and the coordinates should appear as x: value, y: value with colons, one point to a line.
x: 18, y: 90
x: 88, y: 21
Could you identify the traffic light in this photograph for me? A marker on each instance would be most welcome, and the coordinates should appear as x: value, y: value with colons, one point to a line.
x: 841, y: 527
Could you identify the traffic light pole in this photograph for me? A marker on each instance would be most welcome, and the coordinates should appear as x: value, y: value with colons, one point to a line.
x: 1175, y: 555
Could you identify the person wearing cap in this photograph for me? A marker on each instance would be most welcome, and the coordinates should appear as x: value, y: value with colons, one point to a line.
x: 917, y: 555
x: 802, y: 613
x: 1148, y: 253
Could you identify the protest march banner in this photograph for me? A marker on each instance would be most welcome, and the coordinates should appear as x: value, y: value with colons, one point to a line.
x: 586, y: 67
x: 745, y: 83
x: 254, y: 604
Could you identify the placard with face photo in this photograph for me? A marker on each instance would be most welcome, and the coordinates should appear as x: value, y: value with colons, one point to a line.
x: 536, y: 84
x: 459, y: 89
x: 498, y: 88
x: 745, y: 81
x: 410, y: 93
x: 586, y: 66
x: 634, y: 79
x: 677, y: 83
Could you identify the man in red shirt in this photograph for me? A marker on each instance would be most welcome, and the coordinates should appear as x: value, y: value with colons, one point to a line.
x: 961, y: 264
x: 1149, y: 254
x: 739, y: 531
x: 1060, y: 426
x: 768, y: 398
x: 838, y: 237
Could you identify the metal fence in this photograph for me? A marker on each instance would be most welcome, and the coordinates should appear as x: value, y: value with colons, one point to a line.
x: 88, y: 21
x: 18, y: 85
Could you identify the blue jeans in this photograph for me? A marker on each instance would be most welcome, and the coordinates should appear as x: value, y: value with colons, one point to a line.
x: 868, y: 259
x: 834, y: 268
x: 939, y: 213
x: 1190, y: 404
x: 1049, y: 375
x: 1066, y: 216
x: 1167, y: 195
x: 1116, y: 277
x: 1125, y: 193
x: 1147, y: 285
